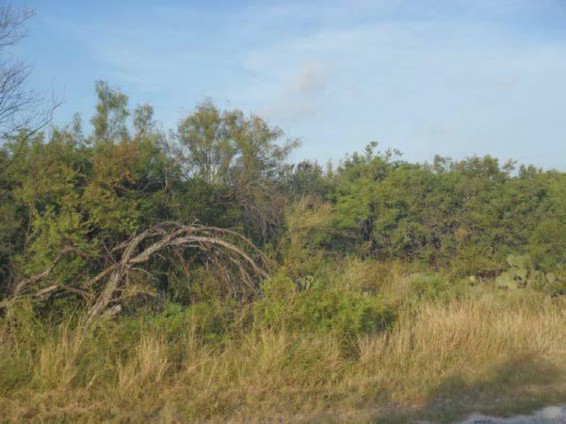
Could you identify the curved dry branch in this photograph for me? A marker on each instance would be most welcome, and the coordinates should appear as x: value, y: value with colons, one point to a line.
x: 22, y: 284
x: 240, y: 262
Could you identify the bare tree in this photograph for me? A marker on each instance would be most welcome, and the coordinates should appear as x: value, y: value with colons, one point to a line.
x: 23, y: 111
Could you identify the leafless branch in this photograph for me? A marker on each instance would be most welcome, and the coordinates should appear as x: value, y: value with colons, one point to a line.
x: 240, y: 263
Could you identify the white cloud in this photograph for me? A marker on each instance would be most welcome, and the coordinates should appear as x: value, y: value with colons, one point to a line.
x: 309, y: 80
x: 299, y: 97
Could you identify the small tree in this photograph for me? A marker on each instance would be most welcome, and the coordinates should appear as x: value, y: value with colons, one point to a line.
x: 241, y: 158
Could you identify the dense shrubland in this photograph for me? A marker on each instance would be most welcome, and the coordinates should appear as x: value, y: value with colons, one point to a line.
x: 277, y: 287
x: 91, y: 193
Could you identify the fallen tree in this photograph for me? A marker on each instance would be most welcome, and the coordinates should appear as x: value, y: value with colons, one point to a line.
x: 234, y: 258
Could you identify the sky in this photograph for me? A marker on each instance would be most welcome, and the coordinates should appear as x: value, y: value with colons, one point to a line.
x: 450, y: 77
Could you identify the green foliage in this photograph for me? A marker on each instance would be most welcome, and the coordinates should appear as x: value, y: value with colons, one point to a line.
x: 111, y: 114
x: 434, y: 286
x: 232, y: 156
x: 321, y: 309
x: 469, y: 214
x: 310, y: 228
x: 546, y: 242
x: 226, y: 169
x: 310, y: 179
x: 212, y: 322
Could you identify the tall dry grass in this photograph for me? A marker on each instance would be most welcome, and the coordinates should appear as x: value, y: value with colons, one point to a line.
x: 441, y: 359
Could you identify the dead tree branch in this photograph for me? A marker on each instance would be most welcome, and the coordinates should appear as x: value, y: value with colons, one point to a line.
x: 242, y: 265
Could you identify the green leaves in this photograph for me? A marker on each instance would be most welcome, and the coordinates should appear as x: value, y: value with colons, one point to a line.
x: 240, y: 161
x: 227, y: 169
x: 111, y: 114
x: 470, y: 214
x: 320, y: 308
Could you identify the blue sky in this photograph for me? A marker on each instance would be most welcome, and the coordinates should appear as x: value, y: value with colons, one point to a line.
x: 453, y: 77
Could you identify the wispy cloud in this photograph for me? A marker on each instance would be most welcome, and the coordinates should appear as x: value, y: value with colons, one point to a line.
x: 300, y: 95
x: 452, y: 76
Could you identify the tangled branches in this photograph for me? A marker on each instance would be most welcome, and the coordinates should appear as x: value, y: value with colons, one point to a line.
x: 234, y: 256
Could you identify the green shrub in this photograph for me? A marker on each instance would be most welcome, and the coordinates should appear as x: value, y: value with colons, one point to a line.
x: 210, y: 321
x: 434, y: 286
x: 346, y: 313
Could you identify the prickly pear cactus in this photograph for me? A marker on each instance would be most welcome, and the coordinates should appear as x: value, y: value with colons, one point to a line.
x: 520, y: 262
x: 522, y: 273
x: 505, y: 281
x: 305, y: 283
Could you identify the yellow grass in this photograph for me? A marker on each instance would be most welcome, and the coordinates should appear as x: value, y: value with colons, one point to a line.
x: 441, y: 360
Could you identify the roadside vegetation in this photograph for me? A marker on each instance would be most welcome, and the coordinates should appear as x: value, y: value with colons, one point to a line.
x: 197, y: 274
